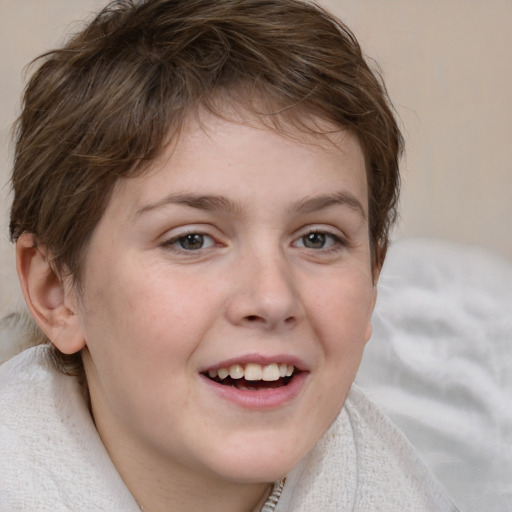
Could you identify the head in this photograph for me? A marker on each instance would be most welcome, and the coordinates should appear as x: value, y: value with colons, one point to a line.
x: 103, y: 115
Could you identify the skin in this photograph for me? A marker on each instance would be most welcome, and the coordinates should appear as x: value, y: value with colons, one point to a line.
x: 155, y: 314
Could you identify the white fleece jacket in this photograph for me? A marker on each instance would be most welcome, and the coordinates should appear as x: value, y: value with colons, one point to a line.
x: 52, y: 459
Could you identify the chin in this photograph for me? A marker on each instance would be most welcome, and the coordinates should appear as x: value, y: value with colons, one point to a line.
x: 260, y: 461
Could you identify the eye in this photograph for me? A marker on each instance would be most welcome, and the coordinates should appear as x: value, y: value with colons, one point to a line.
x: 318, y: 240
x: 191, y: 242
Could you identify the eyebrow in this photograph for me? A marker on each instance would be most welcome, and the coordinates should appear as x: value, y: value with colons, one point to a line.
x: 221, y: 203
x: 325, y: 201
x: 201, y: 202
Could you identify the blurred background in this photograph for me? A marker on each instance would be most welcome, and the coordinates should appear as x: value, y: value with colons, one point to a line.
x: 448, y: 68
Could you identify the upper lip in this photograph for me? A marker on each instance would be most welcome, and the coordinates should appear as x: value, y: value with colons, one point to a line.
x: 258, y: 359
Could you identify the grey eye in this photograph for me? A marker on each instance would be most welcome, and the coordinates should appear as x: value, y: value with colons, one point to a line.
x: 318, y: 240
x: 314, y: 240
x: 194, y: 242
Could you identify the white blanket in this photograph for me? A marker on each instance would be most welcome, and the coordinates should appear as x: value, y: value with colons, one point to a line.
x: 51, y: 458
x: 440, y: 364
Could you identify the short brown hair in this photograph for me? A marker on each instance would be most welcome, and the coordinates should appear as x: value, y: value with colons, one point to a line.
x: 103, y: 106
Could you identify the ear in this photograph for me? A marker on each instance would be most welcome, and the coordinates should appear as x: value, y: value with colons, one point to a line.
x: 49, y: 300
x: 373, y: 300
x: 369, y: 327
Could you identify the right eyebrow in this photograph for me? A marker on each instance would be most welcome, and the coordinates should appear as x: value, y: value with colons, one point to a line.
x: 201, y: 202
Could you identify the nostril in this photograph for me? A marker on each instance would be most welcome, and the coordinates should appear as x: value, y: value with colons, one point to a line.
x: 254, y: 318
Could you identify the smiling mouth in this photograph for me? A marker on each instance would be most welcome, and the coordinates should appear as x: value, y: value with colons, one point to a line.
x: 253, y: 377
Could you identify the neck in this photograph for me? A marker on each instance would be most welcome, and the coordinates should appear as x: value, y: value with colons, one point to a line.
x: 179, y: 496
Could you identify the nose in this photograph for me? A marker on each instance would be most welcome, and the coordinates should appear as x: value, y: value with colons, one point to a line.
x: 265, y: 293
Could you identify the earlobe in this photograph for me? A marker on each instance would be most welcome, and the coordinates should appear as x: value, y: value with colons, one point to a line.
x: 46, y: 296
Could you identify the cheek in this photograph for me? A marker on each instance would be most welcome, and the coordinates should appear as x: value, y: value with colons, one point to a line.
x: 343, y: 315
x: 138, y: 308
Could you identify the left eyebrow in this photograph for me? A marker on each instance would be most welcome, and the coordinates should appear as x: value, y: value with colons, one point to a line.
x: 324, y: 201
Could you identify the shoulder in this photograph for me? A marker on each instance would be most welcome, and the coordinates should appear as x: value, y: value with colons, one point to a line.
x: 32, y: 367
x: 390, y: 470
x: 363, y: 463
x: 51, y: 457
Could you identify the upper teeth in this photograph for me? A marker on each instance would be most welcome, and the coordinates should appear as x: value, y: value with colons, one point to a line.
x: 254, y: 371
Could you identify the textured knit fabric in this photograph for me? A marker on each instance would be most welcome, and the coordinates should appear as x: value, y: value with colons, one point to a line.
x: 52, y: 459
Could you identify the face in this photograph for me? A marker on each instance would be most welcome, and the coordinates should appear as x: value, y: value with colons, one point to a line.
x: 227, y: 297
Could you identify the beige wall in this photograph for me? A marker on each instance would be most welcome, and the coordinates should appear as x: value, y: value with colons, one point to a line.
x: 448, y: 65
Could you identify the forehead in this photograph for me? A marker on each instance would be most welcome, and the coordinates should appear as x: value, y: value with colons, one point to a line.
x: 240, y: 156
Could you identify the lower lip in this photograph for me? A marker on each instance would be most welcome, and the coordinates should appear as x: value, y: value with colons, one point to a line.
x: 262, y: 398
